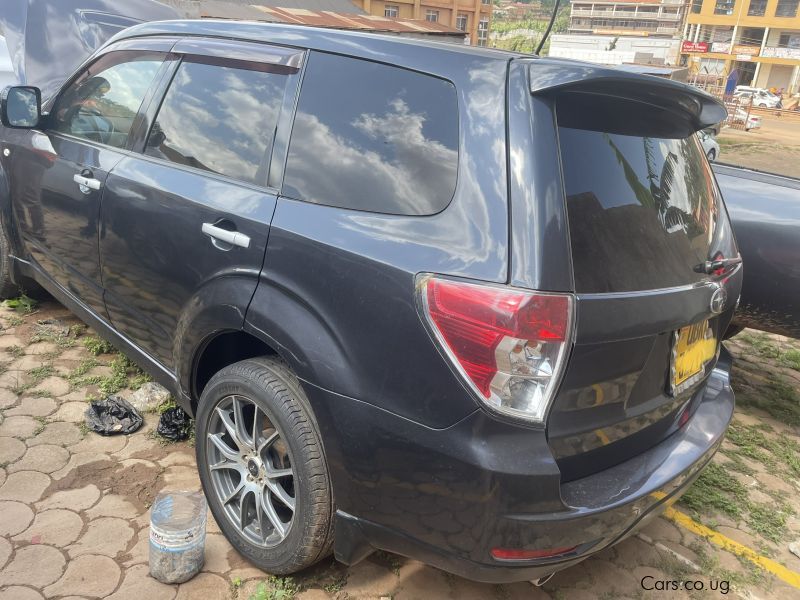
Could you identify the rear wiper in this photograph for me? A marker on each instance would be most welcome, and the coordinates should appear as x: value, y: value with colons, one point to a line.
x: 710, y: 266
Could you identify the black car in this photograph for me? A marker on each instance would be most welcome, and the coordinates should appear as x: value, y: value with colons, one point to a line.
x: 453, y: 303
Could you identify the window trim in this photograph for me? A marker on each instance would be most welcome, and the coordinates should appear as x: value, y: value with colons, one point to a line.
x: 293, y: 59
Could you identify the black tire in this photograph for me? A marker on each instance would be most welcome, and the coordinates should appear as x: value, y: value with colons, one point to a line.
x: 8, y: 289
x: 269, y: 384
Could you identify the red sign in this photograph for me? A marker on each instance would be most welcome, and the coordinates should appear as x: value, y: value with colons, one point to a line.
x: 694, y: 46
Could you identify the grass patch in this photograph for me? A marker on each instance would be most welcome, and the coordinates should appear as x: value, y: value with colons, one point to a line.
x: 276, y: 588
x: 769, y: 521
x: 718, y: 490
x: 98, y: 346
x: 715, y: 489
x: 780, y: 452
x: 14, y: 320
x: 59, y: 335
x: 775, y: 396
x: 791, y: 359
x: 15, y: 351
x: 42, y: 423
x: 77, y: 378
x: 23, y: 304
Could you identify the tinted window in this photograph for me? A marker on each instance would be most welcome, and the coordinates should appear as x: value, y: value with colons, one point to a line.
x: 220, y: 119
x: 372, y: 137
x: 102, y: 103
x: 643, y: 211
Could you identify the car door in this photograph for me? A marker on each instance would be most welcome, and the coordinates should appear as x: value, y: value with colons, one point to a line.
x: 59, y: 172
x: 185, y: 220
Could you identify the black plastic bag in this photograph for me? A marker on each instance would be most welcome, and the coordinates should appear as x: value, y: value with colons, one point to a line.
x: 174, y: 424
x: 112, y: 416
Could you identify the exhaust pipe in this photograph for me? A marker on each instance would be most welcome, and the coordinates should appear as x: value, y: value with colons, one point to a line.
x: 542, y: 580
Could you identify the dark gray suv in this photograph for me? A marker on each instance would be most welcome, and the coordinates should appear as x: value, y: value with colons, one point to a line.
x: 453, y: 303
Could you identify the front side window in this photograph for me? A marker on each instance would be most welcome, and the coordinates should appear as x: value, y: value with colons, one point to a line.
x: 102, y: 103
x: 432, y: 16
x: 220, y: 118
x: 373, y: 137
x: 391, y: 10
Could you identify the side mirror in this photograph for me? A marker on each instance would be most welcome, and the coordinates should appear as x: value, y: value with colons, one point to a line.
x: 21, y: 107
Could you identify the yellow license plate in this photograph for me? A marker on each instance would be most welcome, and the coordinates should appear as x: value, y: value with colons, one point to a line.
x: 693, y: 348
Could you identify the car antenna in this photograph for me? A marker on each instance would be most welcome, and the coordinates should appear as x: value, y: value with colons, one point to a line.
x: 549, y: 27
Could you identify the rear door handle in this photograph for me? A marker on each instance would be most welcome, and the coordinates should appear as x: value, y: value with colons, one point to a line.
x: 223, y: 235
x: 87, y: 183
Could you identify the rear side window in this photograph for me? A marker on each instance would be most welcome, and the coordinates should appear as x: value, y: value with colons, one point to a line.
x: 220, y: 118
x: 643, y: 209
x: 373, y: 137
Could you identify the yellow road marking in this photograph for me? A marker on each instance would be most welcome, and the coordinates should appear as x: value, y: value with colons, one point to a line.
x: 724, y: 542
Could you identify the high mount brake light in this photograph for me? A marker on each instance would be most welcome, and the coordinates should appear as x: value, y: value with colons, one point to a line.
x: 509, y: 345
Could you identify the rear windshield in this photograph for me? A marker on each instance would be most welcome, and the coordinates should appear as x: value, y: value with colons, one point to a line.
x: 642, y: 210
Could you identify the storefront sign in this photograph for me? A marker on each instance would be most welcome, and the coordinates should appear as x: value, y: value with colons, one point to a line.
x: 694, y: 46
x: 769, y: 52
x: 739, y: 50
x: 722, y: 47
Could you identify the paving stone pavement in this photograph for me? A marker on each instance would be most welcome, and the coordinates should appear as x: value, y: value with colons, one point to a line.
x: 74, y: 507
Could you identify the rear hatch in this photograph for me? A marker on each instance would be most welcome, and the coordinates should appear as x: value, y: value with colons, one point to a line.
x: 654, y: 263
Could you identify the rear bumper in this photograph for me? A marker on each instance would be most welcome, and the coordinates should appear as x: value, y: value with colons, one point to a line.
x: 447, y: 497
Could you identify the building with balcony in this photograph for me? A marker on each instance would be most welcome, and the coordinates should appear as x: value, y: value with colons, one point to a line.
x: 620, y: 32
x: 661, y: 18
x: 756, y: 40
x: 470, y: 16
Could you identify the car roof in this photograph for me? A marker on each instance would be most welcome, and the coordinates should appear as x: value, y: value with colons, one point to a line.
x: 368, y: 45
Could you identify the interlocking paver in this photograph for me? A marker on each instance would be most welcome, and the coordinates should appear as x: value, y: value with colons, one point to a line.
x: 24, y: 486
x: 57, y: 433
x: 33, y: 407
x: 16, y: 592
x: 52, y: 386
x: 76, y: 499
x: 35, y: 565
x: 91, y: 575
x: 11, y: 449
x: 108, y: 536
x: 57, y: 527
x: 138, y: 585
x: 5, y: 551
x: 44, y: 459
x: 20, y: 427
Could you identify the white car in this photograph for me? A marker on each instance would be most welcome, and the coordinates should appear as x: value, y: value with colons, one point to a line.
x: 758, y: 96
x: 750, y: 121
x: 710, y: 145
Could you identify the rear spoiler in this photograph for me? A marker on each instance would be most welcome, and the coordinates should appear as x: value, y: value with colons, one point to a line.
x: 623, y: 100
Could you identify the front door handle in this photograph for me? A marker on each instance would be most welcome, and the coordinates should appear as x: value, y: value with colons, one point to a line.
x: 87, y: 184
x: 223, y: 235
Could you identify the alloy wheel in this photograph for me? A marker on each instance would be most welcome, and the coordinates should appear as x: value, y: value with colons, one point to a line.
x: 251, y: 470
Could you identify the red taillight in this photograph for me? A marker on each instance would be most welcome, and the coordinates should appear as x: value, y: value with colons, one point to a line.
x: 510, y: 344
x: 518, y: 554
